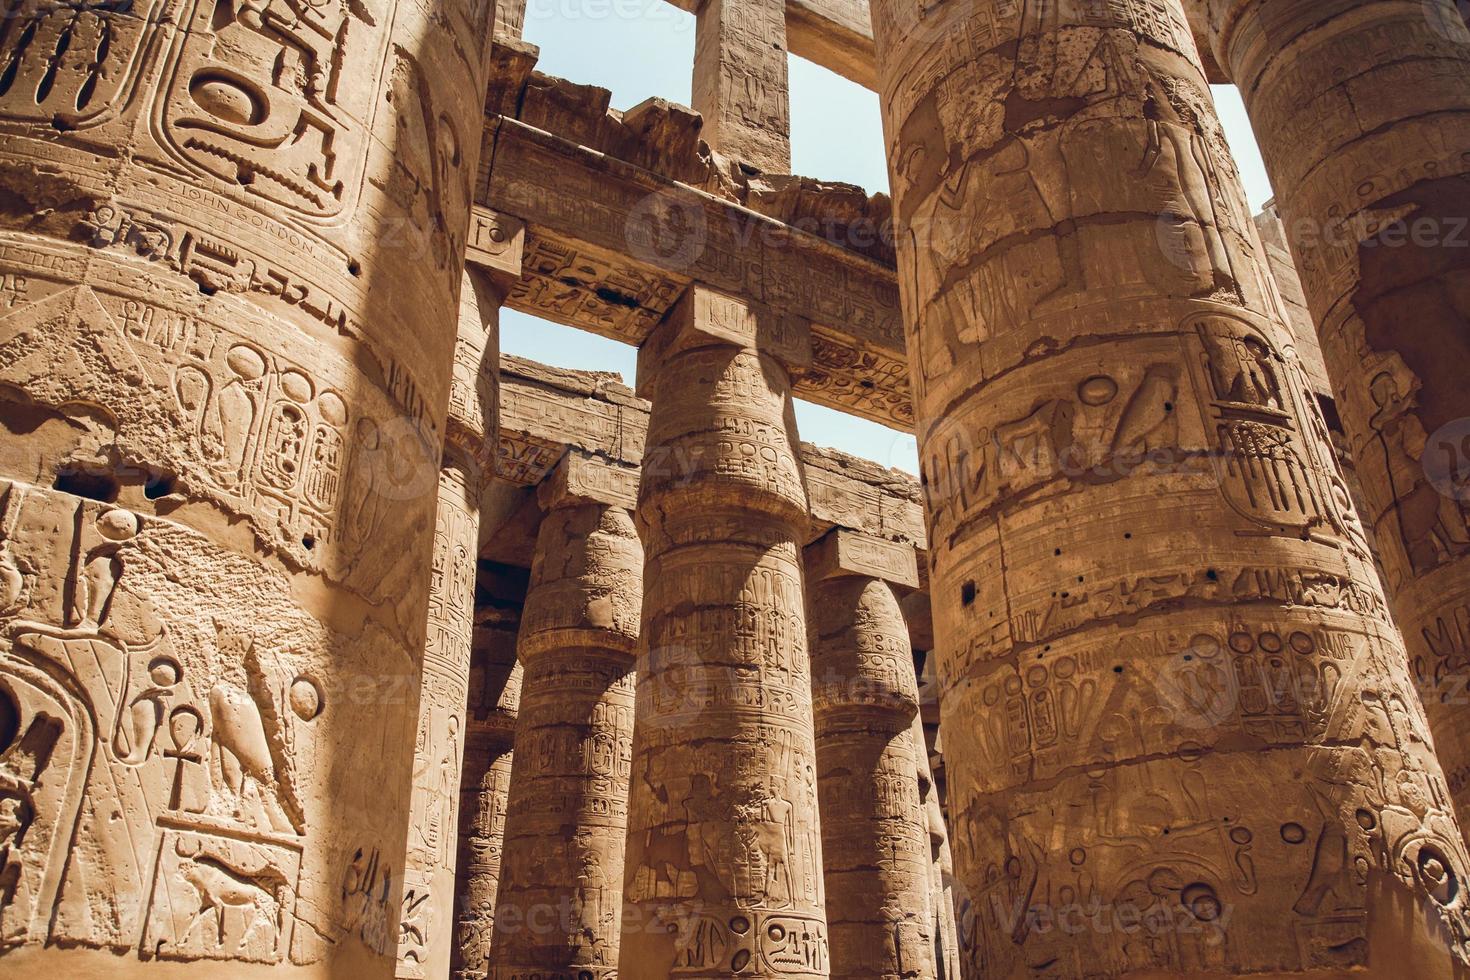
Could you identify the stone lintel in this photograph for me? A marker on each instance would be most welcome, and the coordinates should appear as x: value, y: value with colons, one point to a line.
x: 583, y: 479
x: 612, y: 246
x: 845, y: 552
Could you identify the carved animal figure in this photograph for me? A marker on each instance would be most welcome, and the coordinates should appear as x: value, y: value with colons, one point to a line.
x: 219, y: 887
x: 241, y: 755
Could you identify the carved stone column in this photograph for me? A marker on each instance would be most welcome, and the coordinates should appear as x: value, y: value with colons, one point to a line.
x: 1172, y: 695
x: 740, y: 85
x: 494, y: 703
x: 1363, y: 117
x: 724, y: 869
x: 559, y: 907
x: 875, y: 838
x: 941, y: 865
x: 426, y: 923
x: 231, y: 243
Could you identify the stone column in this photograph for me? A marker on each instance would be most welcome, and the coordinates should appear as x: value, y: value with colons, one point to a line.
x: 941, y: 866
x: 426, y: 922
x: 230, y: 250
x: 494, y: 703
x: 875, y: 838
x: 559, y: 907
x: 724, y: 870
x: 1362, y: 112
x: 1172, y: 696
x: 740, y: 85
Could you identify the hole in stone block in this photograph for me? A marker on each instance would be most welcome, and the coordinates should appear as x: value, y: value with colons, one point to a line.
x: 967, y: 593
x: 92, y: 485
x: 9, y: 719
x: 160, y: 485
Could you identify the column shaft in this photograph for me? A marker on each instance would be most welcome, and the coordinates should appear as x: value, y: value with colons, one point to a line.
x: 485, y: 796
x: 426, y: 923
x: 875, y: 841
x: 1363, y: 117
x: 559, y: 907
x: 941, y: 866
x: 724, y: 870
x: 494, y: 703
x: 230, y: 254
x: 1180, y: 732
x: 740, y: 84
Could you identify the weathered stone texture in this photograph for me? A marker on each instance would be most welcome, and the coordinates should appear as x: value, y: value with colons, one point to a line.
x: 875, y: 835
x: 1169, y: 683
x: 724, y: 860
x: 1363, y: 118
x: 493, y: 705
x: 558, y: 910
x: 231, y: 241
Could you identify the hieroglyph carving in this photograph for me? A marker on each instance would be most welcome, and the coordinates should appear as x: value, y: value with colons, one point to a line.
x: 156, y: 746
x: 1151, y: 593
x: 724, y: 870
x: 558, y: 909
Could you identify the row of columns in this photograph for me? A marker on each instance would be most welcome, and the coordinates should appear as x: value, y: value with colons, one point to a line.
x: 556, y: 896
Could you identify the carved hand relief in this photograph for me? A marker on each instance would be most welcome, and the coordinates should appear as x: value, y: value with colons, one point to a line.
x: 159, y: 755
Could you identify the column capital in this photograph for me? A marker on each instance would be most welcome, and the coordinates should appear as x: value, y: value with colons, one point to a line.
x: 581, y: 479
x: 843, y: 552
x: 705, y: 317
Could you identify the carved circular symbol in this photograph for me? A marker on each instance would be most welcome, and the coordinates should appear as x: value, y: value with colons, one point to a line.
x: 1077, y: 856
x: 246, y: 362
x: 740, y: 924
x: 1097, y: 390
x: 1242, y: 642
x: 1435, y: 872
x: 296, y: 385
x: 226, y: 98
x: 1064, y: 668
x: 118, y: 524
x: 164, y: 672
x: 334, y: 412
x: 1201, y: 901
x: 1302, y: 642
x: 1204, y: 645
x: 306, y: 698
x: 1366, y: 819
x: 1271, y: 642
x: 1241, y: 835
x: 741, y: 959
x: 1446, y: 459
